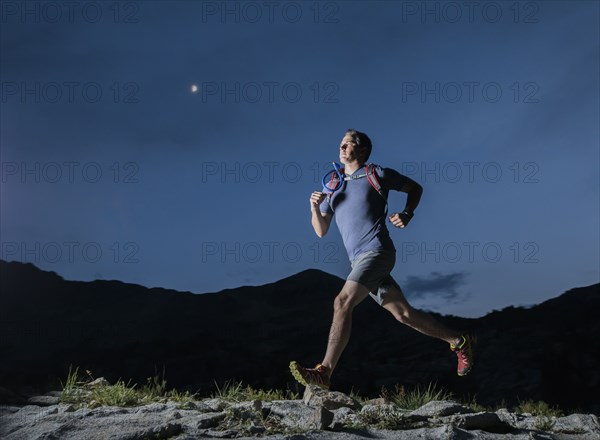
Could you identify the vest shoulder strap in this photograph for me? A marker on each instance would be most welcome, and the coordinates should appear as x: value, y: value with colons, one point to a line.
x: 372, y: 177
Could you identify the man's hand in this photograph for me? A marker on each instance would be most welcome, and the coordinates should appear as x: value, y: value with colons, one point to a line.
x: 400, y: 219
x: 316, y: 198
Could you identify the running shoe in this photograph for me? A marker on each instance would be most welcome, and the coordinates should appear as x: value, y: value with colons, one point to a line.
x: 464, y: 353
x: 313, y: 376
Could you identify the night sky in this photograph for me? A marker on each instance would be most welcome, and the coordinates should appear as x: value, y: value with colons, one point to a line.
x: 176, y: 144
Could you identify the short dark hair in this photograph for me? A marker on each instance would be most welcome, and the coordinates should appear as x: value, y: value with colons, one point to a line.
x: 362, y: 140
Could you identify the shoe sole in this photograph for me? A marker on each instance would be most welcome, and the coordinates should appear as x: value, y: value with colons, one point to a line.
x: 298, y: 376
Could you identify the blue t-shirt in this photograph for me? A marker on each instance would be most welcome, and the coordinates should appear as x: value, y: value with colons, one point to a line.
x: 360, y: 211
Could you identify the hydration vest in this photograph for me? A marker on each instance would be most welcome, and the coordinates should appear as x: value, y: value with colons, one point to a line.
x: 371, y: 176
x: 369, y: 173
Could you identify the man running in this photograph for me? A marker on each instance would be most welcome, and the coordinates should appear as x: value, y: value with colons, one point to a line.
x: 360, y: 216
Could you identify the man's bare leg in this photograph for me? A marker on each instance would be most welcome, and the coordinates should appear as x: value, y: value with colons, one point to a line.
x: 423, y: 322
x: 351, y: 295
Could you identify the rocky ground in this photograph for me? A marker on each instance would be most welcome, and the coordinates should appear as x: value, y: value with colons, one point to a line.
x: 320, y: 414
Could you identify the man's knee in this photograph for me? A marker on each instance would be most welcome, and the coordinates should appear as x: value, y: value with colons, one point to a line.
x: 349, y: 297
x: 342, y: 302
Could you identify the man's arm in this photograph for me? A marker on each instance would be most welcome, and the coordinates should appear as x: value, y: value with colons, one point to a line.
x: 320, y: 220
x: 414, y: 191
x: 399, y: 182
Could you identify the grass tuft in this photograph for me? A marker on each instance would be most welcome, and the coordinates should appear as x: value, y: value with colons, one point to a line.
x: 538, y: 408
x: 236, y: 392
x: 353, y: 394
x: 119, y: 394
x: 76, y: 391
x: 69, y: 387
x: 416, y: 397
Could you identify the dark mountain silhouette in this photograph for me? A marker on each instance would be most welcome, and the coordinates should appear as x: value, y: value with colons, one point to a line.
x: 117, y: 330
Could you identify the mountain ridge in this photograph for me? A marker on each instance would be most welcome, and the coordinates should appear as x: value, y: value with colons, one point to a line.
x: 298, y: 276
x: 251, y: 333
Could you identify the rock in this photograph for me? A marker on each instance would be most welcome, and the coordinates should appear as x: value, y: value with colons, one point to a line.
x: 43, y: 400
x: 256, y: 429
x: 209, y: 420
x: 441, y: 408
x: 296, y: 414
x: 215, y: 404
x: 252, y: 405
x: 393, y: 417
x: 100, y: 382
x: 247, y: 410
x: 521, y: 421
x: 577, y: 424
x: 342, y: 417
x: 227, y: 433
x: 379, y: 411
x: 378, y: 401
x: 243, y: 420
x: 160, y: 432
x: 189, y: 405
x: 317, y: 396
x: 54, y: 393
x: 485, y: 421
x: 53, y: 410
x: 507, y: 417
x: 320, y: 419
x: 152, y: 407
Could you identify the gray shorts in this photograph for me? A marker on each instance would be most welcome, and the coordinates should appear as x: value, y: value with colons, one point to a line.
x: 372, y: 270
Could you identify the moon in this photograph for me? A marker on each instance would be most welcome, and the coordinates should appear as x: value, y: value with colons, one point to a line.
x: 194, y: 88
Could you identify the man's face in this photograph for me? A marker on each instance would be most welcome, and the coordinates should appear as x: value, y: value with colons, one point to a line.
x: 349, y: 151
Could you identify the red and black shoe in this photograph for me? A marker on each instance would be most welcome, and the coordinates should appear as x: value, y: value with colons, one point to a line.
x: 464, y: 353
x: 313, y: 376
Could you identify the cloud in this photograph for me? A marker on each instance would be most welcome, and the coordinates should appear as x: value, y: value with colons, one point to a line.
x: 442, y: 287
